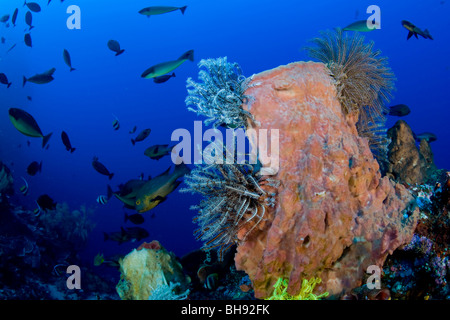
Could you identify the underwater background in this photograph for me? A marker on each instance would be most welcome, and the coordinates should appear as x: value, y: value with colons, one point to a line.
x: 259, y: 35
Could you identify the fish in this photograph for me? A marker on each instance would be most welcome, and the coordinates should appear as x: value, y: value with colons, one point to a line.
x: 40, y: 78
x: 27, y: 40
x: 33, y: 6
x: 136, y: 218
x: 4, y: 80
x: 164, y: 78
x: 128, y: 191
x: 361, y: 26
x: 34, y: 168
x: 27, y: 125
x: 100, y: 168
x: 399, y: 110
x: 116, y: 123
x: 163, y: 68
x: 428, y: 136
x: 141, y: 136
x: 66, y: 142
x: 29, y: 20
x: 3, y: 40
x: 414, y: 31
x: 37, y: 211
x: 102, y: 199
x: 136, y: 233
x: 24, y: 188
x: 4, y: 18
x: 114, y: 45
x: 29, y: 98
x: 46, y: 203
x: 211, y: 282
x: 133, y: 130
x: 156, y: 152
x: 12, y: 47
x: 99, y: 259
x: 155, y: 191
x: 120, y: 236
x: 14, y: 17
x: 67, y: 59
x: 156, y: 10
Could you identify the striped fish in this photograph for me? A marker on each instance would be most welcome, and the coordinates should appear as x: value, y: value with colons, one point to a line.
x: 116, y: 124
x: 102, y: 199
x: 24, y: 188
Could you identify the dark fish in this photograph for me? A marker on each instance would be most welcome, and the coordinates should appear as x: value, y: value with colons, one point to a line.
x: 414, y: 31
x: 428, y: 136
x: 113, y: 45
x: 155, y: 10
x: 133, y: 130
x: 120, y: 236
x: 27, y: 125
x: 40, y: 78
x: 67, y: 59
x: 29, y: 20
x: 164, y: 78
x: 34, y: 168
x: 27, y: 39
x: 46, y: 203
x: 116, y: 123
x: 156, y: 152
x: 136, y: 233
x: 3, y: 40
x: 12, y: 47
x: 141, y: 136
x: 29, y: 98
x: 134, y: 218
x: 4, y: 80
x: 4, y: 18
x: 24, y: 188
x: 100, y: 168
x: 163, y: 68
x: 399, y: 110
x: 14, y: 17
x: 33, y: 6
x: 66, y: 141
x: 212, y: 281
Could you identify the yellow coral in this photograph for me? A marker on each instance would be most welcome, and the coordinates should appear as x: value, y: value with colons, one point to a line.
x: 306, y: 291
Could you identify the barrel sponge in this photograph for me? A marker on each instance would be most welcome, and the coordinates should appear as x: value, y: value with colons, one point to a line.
x: 145, y: 270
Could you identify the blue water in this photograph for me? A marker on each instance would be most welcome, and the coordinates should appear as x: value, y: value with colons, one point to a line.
x: 259, y: 35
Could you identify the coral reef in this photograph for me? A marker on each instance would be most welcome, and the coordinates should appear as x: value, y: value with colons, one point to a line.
x: 220, y: 94
x: 334, y: 214
x: 280, y: 290
x: 407, y: 163
x: 147, y: 272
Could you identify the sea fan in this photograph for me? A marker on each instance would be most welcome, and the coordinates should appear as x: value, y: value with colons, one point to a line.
x: 232, y: 199
x: 220, y: 94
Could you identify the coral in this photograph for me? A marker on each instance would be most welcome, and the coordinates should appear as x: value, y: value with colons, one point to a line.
x: 220, y: 94
x: 306, y: 291
x: 406, y: 163
x: 167, y: 292
x: 232, y: 198
x: 334, y: 214
x: 146, y: 270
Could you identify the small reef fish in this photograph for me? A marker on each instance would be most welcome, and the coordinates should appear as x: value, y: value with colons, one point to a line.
x: 114, y: 45
x: 98, y: 259
x: 156, y: 152
x: 46, y: 203
x: 4, y: 18
x: 40, y: 78
x: 66, y: 142
x: 4, y: 80
x: 133, y: 130
x: 141, y: 136
x: 27, y: 125
x: 24, y: 188
x: 102, y: 199
x: 414, y: 31
x: 33, y: 6
x: 164, y: 78
x: 360, y: 26
x: 163, y: 68
x: 29, y: 20
x: 155, y: 191
x: 27, y: 40
x: 399, y: 110
x: 428, y: 136
x: 67, y: 60
x: 38, y: 210
x: 14, y: 17
x: 116, y: 123
x: 34, y: 168
x: 156, y: 10
x: 136, y: 218
x: 136, y: 233
x: 119, y: 236
x: 100, y: 168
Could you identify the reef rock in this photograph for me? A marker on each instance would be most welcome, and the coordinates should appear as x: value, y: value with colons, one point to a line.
x: 146, y: 269
x: 334, y: 214
x: 406, y: 162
